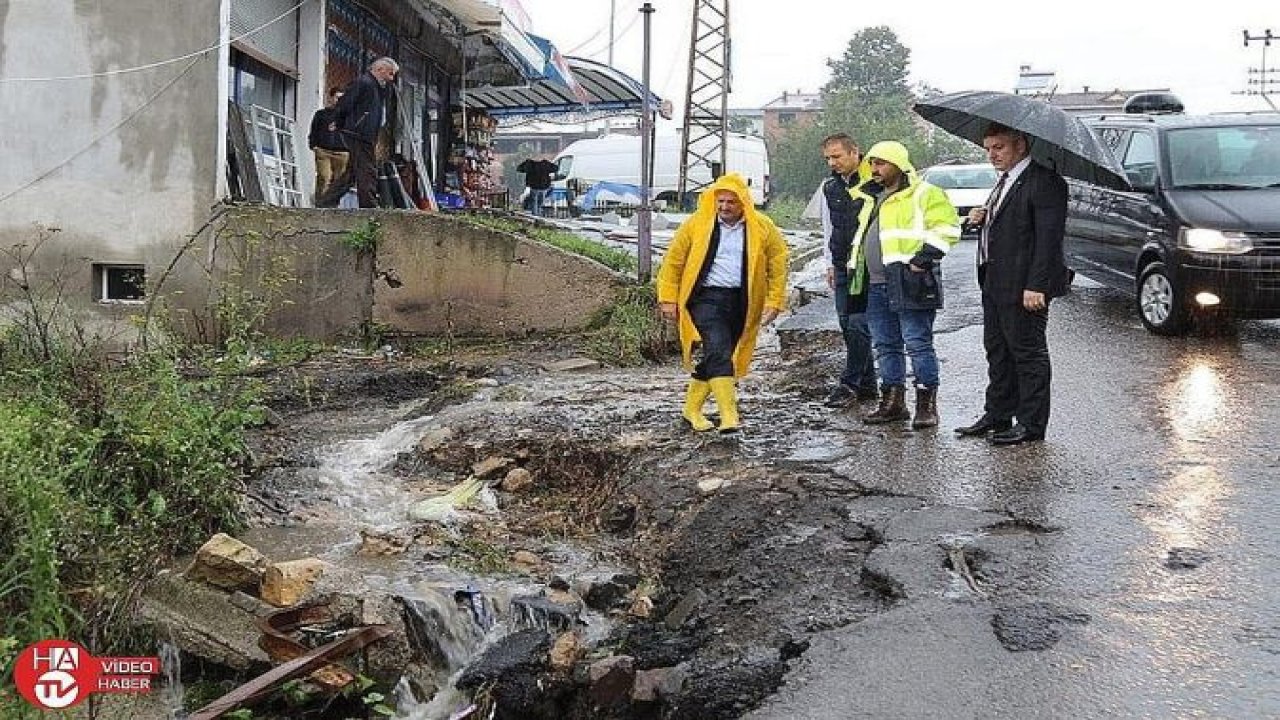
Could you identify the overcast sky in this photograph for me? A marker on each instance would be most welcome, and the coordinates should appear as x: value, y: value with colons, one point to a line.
x: 783, y: 44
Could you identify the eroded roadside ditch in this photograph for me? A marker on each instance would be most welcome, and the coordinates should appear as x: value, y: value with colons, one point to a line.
x: 611, y: 565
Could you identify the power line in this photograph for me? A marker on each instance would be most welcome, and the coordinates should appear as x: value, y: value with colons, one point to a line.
x: 37, y: 179
x: 197, y: 54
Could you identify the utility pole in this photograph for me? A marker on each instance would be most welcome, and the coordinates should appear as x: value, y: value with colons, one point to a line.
x: 1264, y: 81
x: 706, y: 106
x: 613, y: 9
x: 644, y: 216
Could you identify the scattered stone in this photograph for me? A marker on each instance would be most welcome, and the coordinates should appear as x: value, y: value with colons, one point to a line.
x: 612, y: 680
x: 517, y: 480
x: 1185, y: 558
x: 566, y: 651
x: 711, y: 485
x: 490, y: 466
x: 380, y: 544
x: 225, y: 562
x: 641, y: 606
x: 658, y: 684
x: 559, y: 583
x: 683, y: 610
x: 540, y: 611
x: 435, y: 439
x: 285, y: 583
x: 1034, y: 626
x: 525, y: 651
x: 577, y: 364
x: 203, y: 621
x: 486, y: 382
x: 607, y: 595
x: 526, y: 560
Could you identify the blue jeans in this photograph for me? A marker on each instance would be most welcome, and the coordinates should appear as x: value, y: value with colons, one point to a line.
x: 859, y: 364
x: 897, y: 334
x: 536, y: 198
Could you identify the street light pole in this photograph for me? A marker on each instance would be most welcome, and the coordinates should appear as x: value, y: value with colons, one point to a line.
x: 644, y: 217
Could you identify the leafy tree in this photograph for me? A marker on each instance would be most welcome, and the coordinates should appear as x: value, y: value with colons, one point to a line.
x: 873, y: 65
x: 869, y: 98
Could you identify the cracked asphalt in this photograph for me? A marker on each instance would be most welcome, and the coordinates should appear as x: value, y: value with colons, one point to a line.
x: 1126, y: 567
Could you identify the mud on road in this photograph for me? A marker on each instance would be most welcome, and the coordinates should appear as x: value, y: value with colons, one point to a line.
x: 711, y: 561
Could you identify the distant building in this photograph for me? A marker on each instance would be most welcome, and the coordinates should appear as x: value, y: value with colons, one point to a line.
x: 790, y: 110
x: 1039, y: 83
x: 747, y: 120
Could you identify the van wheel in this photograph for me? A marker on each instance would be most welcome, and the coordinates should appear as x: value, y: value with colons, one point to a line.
x: 1160, y: 303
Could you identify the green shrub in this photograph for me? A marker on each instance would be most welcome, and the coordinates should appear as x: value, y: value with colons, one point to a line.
x: 630, y: 332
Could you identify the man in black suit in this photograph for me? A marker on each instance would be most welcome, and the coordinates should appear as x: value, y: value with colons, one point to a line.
x: 363, y: 111
x: 1020, y: 269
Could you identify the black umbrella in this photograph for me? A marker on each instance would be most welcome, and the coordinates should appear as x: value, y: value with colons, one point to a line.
x: 1059, y: 140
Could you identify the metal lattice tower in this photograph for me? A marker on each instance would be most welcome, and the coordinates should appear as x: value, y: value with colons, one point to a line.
x: 706, y: 98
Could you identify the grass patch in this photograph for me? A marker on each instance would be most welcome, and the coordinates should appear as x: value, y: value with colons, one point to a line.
x: 619, y: 260
x: 786, y: 212
x: 630, y: 332
x: 107, y: 470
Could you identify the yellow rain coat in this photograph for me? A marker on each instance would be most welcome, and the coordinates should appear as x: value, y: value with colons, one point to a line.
x: 766, y: 269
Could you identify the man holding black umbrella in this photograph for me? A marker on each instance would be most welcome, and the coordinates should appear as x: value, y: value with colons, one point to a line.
x: 1020, y: 269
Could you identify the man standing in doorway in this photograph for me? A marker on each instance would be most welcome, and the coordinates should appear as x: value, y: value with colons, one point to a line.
x: 908, y: 226
x: 537, y: 177
x: 362, y: 112
x: 1020, y: 269
x: 723, y: 278
x: 326, y: 143
x: 839, y: 222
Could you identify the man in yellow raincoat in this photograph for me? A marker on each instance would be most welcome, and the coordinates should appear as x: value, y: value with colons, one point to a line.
x: 724, y: 276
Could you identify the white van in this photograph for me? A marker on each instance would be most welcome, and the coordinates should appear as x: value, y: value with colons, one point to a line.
x: 616, y: 159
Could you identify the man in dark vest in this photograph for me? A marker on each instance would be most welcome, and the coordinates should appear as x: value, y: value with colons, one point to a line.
x: 839, y: 222
x: 362, y: 112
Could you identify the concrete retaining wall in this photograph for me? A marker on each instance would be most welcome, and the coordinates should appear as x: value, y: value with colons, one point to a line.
x: 453, y: 277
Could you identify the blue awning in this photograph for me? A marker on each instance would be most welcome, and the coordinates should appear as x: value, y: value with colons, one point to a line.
x: 604, y: 90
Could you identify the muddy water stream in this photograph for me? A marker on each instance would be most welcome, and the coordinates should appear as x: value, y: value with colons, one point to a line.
x: 354, y: 490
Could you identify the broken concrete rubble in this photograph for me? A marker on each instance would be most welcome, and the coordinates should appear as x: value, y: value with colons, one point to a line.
x: 285, y: 583
x: 225, y: 562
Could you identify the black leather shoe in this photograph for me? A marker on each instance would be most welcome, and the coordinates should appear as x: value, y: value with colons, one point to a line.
x: 984, y: 425
x: 1014, y: 435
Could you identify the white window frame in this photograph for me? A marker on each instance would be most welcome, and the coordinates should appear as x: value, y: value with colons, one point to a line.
x: 102, y: 273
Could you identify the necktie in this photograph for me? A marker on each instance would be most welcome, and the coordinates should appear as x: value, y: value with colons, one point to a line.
x: 993, y: 202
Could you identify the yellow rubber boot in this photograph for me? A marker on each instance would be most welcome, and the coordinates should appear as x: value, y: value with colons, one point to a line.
x: 727, y: 401
x: 694, y: 399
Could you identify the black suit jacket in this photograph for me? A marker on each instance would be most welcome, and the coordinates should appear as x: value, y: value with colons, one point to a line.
x: 1024, y: 250
x: 360, y: 110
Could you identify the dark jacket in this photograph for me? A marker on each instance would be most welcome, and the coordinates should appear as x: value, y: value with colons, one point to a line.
x: 1024, y: 240
x: 843, y: 210
x: 359, y: 113
x: 537, y: 173
x: 321, y: 136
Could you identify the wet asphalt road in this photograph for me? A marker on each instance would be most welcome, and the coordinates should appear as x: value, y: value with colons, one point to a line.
x: 1155, y: 444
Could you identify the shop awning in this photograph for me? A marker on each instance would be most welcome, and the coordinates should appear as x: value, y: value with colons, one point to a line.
x: 507, y: 26
x: 604, y: 90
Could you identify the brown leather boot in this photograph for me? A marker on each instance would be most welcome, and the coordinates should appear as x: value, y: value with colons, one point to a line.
x: 926, y: 408
x: 893, y: 406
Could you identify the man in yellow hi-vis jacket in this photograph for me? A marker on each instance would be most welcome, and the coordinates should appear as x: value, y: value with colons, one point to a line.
x: 723, y: 277
x: 905, y: 227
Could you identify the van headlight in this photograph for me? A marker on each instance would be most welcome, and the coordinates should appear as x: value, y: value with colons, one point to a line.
x: 1214, y: 241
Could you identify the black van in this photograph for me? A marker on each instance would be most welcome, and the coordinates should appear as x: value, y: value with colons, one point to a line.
x: 1199, y: 235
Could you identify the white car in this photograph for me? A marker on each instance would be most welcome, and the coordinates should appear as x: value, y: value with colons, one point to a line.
x: 967, y: 186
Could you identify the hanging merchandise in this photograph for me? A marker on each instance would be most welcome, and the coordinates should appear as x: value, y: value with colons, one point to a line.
x: 468, y: 182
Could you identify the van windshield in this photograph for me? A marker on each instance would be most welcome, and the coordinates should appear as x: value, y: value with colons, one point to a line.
x: 565, y: 164
x: 1225, y: 157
